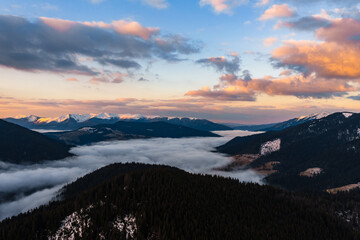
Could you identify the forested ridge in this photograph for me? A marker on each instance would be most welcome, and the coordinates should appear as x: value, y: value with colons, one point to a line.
x: 125, y: 130
x: 331, y: 144
x: 20, y: 145
x: 168, y: 203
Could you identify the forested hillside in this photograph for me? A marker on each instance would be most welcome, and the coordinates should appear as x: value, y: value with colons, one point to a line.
x: 21, y: 145
x: 316, y: 155
x: 161, y: 202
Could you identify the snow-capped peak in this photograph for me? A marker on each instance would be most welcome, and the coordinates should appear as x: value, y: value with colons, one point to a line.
x: 347, y: 114
x: 106, y: 115
x: 313, y: 116
x: 30, y: 118
x: 81, y: 117
x: 49, y: 119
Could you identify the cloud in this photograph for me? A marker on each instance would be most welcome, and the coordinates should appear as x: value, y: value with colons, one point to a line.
x: 336, y: 2
x: 222, y: 64
x: 229, y: 93
x: 72, y: 79
x: 133, y: 28
x: 142, y: 79
x: 270, y: 41
x: 261, y: 3
x: 325, y: 59
x: 57, y: 45
x: 305, y: 24
x: 26, y: 203
x: 199, y: 158
x: 223, y: 6
x: 109, y: 78
x: 340, y: 31
x: 357, y: 98
x: 160, y: 4
x: 278, y: 11
x: 231, y: 88
x: 285, y: 73
x: 122, y: 63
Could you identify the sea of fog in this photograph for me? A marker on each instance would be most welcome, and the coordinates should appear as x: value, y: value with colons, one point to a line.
x: 195, y: 155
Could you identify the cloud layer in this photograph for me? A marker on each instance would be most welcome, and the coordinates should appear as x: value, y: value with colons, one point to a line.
x: 334, y: 56
x: 50, y: 176
x: 323, y: 68
x: 231, y: 88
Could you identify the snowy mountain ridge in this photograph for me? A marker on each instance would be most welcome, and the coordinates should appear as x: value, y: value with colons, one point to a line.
x: 84, y: 117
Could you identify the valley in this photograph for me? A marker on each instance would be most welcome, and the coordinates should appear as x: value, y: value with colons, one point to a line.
x: 256, y: 157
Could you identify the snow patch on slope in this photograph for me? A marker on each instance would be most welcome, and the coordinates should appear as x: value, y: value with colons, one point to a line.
x: 313, y: 116
x: 311, y: 172
x: 73, y: 225
x: 347, y: 115
x: 127, y: 224
x: 270, y: 146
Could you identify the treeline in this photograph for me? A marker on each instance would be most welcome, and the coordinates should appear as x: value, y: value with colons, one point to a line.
x: 169, y: 203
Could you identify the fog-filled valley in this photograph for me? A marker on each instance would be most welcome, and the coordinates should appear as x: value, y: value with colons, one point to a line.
x: 24, y: 187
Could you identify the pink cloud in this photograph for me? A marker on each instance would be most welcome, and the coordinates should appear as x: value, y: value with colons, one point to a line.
x: 58, y: 24
x: 232, y: 89
x: 326, y: 59
x: 270, y: 41
x: 282, y: 24
x: 133, y: 28
x: 72, y: 79
x: 121, y: 26
x: 285, y: 73
x: 278, y: 11
x: 262, y: 3
x: 341, y: 30
x: 97, y: 24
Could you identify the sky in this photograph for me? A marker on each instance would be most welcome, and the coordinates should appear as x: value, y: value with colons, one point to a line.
x: 244, y: 61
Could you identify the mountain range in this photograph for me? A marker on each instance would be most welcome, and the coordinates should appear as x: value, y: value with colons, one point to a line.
x: 320, y: 154
x: 137, y: 201
x: 125, y: 130
x: 76, y: 121
x: 280, y: 125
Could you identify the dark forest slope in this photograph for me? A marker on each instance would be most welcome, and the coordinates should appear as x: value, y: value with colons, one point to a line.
x: 21, y: 145
x: 167, y: 203
x: 331, y: 144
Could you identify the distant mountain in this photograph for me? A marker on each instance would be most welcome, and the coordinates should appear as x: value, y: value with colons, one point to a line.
x: 294, y: 122
x: 319, y: 154
x: 75, y: 121
x: 278, y: 126
x: 259, y: 127
x: 21, y: 145
x: 158, y: 202
x: 124, y: 130
x: 200, y: 124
